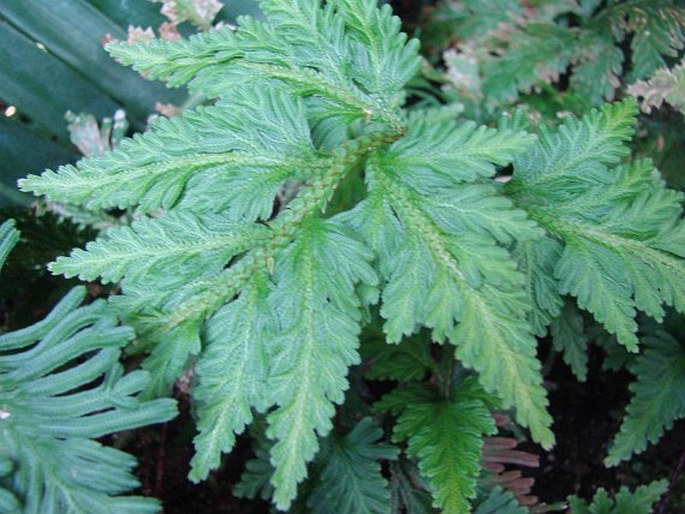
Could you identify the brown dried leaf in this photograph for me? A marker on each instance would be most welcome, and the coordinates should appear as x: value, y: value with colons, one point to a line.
x: 664, y: 86
x: 139, y: 35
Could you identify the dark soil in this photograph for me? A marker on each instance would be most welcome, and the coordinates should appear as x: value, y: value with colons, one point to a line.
x: 586, y: 418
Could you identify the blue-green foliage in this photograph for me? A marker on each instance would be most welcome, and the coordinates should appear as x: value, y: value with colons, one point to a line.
x: 658, y: 396
x: 267, y: 299
x: 62, y: 387
x: 507, y: 49
x: 616, y: 241
x: 500, y: 501
x: 347, y: 476
x: 445, y: 435
x: 351, y: 481
x: 639, y: 501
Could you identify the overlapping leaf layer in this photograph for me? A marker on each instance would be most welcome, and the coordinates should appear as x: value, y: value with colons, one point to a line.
x: 267, y: 298
x: 61, y: 388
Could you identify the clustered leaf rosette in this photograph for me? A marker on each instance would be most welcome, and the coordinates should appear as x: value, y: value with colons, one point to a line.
x: 268, y: 303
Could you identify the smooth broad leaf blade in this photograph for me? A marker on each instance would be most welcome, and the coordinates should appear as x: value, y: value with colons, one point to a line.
x: 658, y: 397
x: 260, y: 139
x: 43, y: 87
x: 317, y: 315
x: 351, y: 481
x: 447, y: 439
x: 17, y: 146
x: 72, y: 30
x: 60, y: 394
x: 232, y: 373
x: 174, y: 248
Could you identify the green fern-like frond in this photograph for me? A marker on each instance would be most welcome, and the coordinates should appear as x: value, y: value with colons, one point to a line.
x: 316, y: 340
x: 621, y: 227
x: 639, y: 501
x: 438, y: 239
x: 658, y: 396
x: 537, y: 54
x: 537, y: 259
x: 569, y: 339
x: 266, y: 294
x: 226, y: 276
x: 513, y: 49
x: 657, y: 28
x: 447, y: 438
x: 232, y: 375
x: 61, y: 387
x: 349, y: 53
x: 177, y: 243
x: 261, y: 139
x: 407, y: 491
x: 397, y: 400
x: 351, y: 481
x: 254, y: 482
x: 407, y: 361
x: 500, y: 501
x: 382, y: 58
x: 599, y: 64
